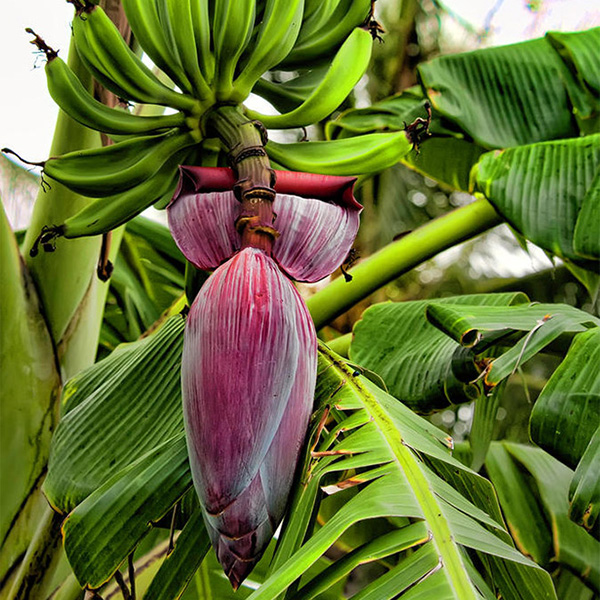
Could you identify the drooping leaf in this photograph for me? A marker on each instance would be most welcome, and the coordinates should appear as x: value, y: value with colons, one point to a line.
x: 106, y: 527
x: 579, y: 52
x: 540, y: 190
x: 422, y: 369
x: 573, y: 546
x: 503, y: 96
x: 535, y: 327
x: 118, y: 410
x: 373, y: 436
x: 179, y: 566
x: 584, y: 492
x: 565, y: 415
x: 586, y: 237
x: 524, y: 515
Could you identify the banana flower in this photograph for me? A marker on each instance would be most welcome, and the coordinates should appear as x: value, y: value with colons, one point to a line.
x: 250, y: 350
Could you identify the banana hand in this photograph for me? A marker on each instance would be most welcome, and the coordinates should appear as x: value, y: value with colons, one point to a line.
x: 176, y: 19
x: 147, y: 29
x: 233, y: 24
x: 318, y: 44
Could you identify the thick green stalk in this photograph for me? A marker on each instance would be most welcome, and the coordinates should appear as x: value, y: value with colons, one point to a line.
x: 30, y: 383
x: 244, y: 141
x: 401, y: 256
x: 71, y: 305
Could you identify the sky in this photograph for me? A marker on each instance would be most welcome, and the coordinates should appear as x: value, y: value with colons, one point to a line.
x: 28, y: 113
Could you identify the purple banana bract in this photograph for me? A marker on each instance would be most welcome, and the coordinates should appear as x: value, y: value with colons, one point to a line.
x: 250, y: 352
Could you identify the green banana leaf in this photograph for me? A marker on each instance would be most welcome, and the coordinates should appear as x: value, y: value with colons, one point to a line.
x: 179, y: 566
x: 137, y: 388
x: 535, y: 326
x: 541, y: 189
x: 376, y: 441
x: 426, y: 369
x: 565, y: 415
x: 102, y: 531
x: 584, y: 492
x: 524, y: 515
x: 572, y: 546
x: 128, y: 496
x: 503, y: 96
x: 579, y: 52
x: 30, y: 380
x: 515, y: 580
x: 564, y: 422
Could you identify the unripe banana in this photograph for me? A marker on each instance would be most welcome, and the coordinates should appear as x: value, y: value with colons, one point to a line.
x: 315, y: 46
x: 347, y: 68
x: 276, y: 37
x: 233, y: 24
x: 111, y: 169
x: 349, y: 156
x: 288, y: 95
x: 316, y: 15
x: 202, y: 34
x: 176, y: 18
x: 100, y: 44
x: 143, y: 18
x: 105, y: 214
x: 72, y: 97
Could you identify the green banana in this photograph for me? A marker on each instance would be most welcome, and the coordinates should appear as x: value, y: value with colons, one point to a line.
x: 119, y: 167
x: 315, y: 46
x: 315, y: 20
x: 72, y: 97
x: 288, y: 95
x: 102, y: 46
x: 105, y: 214
x: 349, y: 156
x: 202, y: 34
x: 145, y: 24
x: 176, y: 19
x: 276, y: 37
x: 348, y: 66
x: 233, y: 24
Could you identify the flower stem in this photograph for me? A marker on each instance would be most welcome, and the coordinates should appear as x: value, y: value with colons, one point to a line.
x: 399, y: 257
x: 244, y: 141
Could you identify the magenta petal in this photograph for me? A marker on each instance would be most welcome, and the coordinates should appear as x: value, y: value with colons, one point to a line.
x: 247, y: 332
x: 315, y: 236
x: 244, y: 529
x: 203, y: 224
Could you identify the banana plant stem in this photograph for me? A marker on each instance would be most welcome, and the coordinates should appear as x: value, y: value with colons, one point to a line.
x: 401, y: 256
x: 41, y: 558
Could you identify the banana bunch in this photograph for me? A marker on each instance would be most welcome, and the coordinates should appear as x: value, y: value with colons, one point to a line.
x: 211, y: 52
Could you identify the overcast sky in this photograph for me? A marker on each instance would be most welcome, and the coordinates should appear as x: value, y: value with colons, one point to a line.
x: 28, y: 113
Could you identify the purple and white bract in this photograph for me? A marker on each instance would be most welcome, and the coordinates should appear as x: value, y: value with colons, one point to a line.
x: 250, y: 351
